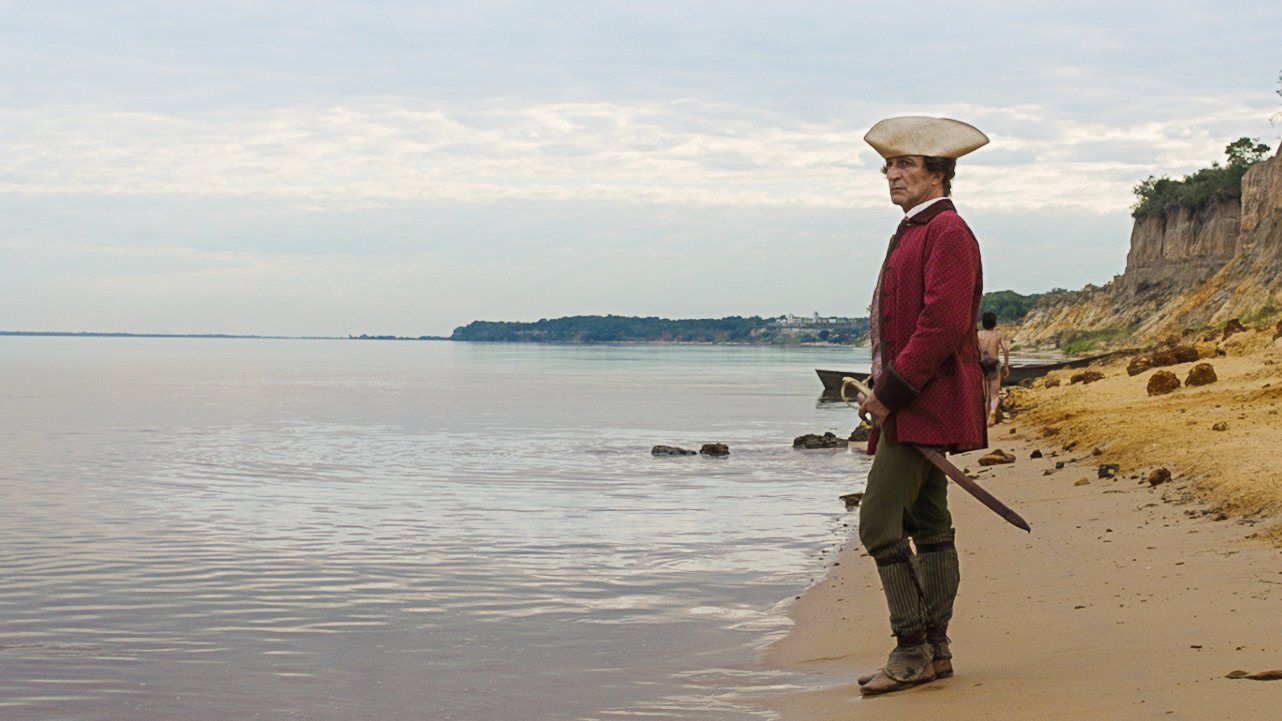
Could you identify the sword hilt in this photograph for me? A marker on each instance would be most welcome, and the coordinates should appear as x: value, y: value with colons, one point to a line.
x: 862, y: 388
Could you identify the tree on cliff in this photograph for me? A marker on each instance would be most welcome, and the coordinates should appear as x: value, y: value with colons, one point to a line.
x: 1245, y: 152
x: 1202, y: 188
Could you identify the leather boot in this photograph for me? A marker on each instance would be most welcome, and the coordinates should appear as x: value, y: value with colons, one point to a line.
x: 910, y: 663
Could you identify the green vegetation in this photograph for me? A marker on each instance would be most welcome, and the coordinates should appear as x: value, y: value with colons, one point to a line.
x: 1085, y: 341
x: 622, y: 329
x: 1010, y: 307
x: 1202, y: 188
x: 1266, y: 314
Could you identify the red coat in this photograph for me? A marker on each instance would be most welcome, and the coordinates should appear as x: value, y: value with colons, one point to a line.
x: 931, y: 285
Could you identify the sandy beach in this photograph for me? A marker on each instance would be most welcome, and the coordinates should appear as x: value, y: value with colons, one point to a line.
x: 1127, y: 601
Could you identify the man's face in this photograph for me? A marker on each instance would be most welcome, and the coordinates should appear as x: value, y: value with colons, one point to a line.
x: 910, y: 183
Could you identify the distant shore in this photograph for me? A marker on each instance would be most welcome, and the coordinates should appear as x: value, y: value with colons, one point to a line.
x: 98, y: 334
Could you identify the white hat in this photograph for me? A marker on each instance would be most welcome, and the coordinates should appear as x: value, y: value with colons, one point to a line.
x: 916, y: 135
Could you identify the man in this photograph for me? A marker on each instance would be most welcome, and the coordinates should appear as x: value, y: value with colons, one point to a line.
x: 927, y: 390
x: 992, y: 344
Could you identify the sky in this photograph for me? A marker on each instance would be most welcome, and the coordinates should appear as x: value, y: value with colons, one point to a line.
x: 405, y: 168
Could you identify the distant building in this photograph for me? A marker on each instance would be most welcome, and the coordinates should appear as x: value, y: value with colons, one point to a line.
x: 796, y: 321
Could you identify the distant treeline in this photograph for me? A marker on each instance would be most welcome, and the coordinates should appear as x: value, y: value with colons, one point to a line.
x: 624, y: 329
x: 1010, y: 307
x: 613, y: 328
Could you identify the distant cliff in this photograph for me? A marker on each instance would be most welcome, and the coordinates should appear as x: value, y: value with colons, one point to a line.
x: 1186, y: 269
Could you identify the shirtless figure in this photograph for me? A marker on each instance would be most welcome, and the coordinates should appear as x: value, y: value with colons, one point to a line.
x: 991, y: 344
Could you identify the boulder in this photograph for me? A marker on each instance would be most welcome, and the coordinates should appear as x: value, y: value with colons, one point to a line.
x: 1051, y: 383
x: 1163, y: 357
x: 1035, y: 454
x: 1207, y: 349
x: 1107, y: 470
x: 811, y: 441
x: 1086, y: 377
x: 671, y: 451
x: 1185, y: 353
x: 996, y: 457
x: 717, y: 450
x: 1158, y: 477
x: 860, y: 434
x: 1221, y: 426
x: 1138, y: 365
x: 1162, y: 382
x: 1233, y: 326
x: 1201, y: 374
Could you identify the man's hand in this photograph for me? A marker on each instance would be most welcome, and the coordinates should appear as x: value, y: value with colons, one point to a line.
x: 1005, y: 371
x: 870, y: 406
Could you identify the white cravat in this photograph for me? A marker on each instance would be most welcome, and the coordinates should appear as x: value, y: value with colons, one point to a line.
x: 922, y: 206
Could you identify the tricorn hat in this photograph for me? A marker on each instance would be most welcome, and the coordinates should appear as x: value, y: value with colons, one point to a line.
x: 917, y: 135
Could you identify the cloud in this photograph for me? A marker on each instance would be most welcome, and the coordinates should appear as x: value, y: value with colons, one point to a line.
x: 375, y: 153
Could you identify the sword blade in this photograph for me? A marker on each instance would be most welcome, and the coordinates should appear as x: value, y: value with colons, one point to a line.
x: 973, y: 488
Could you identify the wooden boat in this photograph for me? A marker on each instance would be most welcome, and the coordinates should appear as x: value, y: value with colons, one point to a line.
x: 1019, y: 372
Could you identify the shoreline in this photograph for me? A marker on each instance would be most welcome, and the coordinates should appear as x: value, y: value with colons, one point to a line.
x: 1127, y: 600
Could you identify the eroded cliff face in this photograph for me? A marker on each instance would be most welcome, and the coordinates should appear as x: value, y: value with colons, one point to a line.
x: 1182, y: 247
x: 1184, y: 270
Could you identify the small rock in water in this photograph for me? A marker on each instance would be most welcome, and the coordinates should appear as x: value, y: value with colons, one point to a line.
x: 1158, y: 477
x: 671, y: 451
x: 851, y: 499
x: 715, y: 449
x: 812, y: 440
x: 1221, y: 426
x: 998, y: 456
x: 1107, y: 470
x: 860, y: 434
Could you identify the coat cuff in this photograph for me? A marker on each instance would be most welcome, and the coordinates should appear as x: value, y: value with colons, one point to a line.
x: 893, y: 391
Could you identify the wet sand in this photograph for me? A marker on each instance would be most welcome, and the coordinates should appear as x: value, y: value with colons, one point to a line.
x: 1126, y: 602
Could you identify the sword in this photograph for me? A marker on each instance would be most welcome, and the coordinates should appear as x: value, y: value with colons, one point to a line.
x: 937, y: 459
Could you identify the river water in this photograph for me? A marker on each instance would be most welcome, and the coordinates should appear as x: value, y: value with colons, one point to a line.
x: 312, y: 529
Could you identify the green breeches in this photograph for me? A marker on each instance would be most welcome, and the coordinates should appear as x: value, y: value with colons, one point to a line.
x: 906, y: 495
